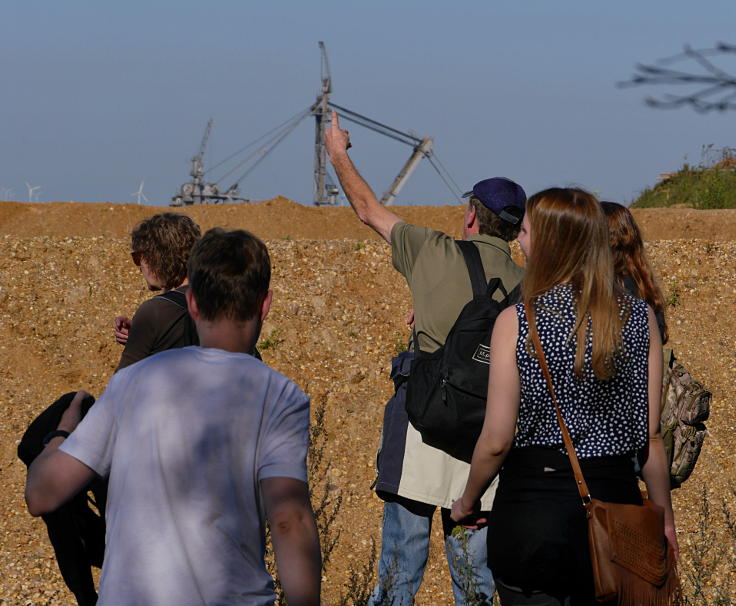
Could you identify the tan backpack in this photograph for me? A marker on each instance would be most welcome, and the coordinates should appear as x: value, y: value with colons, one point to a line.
x: 685, y: 407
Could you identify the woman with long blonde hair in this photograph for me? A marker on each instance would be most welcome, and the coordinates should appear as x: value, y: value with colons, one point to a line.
x: 605, y: 358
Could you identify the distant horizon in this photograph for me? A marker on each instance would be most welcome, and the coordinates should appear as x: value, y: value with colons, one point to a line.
x: 104, y: 97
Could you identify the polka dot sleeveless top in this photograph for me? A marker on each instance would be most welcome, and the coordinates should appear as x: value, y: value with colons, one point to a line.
x: 604, y: 418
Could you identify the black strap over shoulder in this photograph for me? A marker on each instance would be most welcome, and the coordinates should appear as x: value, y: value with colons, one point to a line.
x: 475, y: 266
x: 177, y: 297
x: 476, y: 272
x: 471, y: 254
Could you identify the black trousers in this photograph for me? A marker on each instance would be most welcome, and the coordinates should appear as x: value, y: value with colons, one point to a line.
x: 537, y: 530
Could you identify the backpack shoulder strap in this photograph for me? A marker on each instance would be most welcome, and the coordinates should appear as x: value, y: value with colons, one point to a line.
x: 475, y: 266
x: 514, y: 296
x: 177, y: 297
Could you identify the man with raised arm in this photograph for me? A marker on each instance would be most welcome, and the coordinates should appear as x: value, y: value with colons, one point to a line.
x: 202, y: 445
x: 414, y: 478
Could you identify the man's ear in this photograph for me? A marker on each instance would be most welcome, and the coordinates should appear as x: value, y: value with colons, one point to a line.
x: 471, y: 216
x: 192, y: 305
x: 266, y: 305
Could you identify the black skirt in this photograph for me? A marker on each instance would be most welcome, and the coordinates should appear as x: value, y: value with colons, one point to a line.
x: 537, y: 530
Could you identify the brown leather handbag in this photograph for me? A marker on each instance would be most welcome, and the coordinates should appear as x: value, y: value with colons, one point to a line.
x: 633, y: 564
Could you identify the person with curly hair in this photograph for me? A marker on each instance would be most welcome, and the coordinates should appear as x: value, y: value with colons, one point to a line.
x: 630, y: 261
x: 160, y: 247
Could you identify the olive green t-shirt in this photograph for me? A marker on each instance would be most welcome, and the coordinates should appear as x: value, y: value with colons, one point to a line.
x: 435, y: 269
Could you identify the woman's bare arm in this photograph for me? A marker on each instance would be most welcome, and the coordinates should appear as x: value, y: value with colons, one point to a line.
x: 502, y: 411
x: 654, y: 471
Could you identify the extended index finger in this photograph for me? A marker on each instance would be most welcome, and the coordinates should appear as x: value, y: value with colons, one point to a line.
x: 335, y: 120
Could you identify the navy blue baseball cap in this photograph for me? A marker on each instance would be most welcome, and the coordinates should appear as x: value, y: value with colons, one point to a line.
x: 501, y: 195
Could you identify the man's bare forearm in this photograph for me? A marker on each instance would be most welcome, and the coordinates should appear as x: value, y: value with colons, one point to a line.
x: 358, y: 192
x: 295, y: 539
x: 298, y: 557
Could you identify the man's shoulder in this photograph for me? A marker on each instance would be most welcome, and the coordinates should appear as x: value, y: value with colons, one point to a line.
x: 403, y: 231
x: 235, y: 361
x: 211, y: 364
x: 497, y: 261
x: 409, y: 242
x: 158, y: 307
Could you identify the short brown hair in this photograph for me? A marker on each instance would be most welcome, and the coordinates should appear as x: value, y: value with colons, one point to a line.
x: 229, y: 274
x: 490, y: 224
x: 165, y: 241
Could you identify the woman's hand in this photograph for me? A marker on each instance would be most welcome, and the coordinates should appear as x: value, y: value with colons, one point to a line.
x: 459, y: 512
x: 671, y: 534
x: 122, y: 325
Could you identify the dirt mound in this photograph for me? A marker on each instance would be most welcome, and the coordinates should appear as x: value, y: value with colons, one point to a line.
x: 338, y: 317
x: 282, y: 218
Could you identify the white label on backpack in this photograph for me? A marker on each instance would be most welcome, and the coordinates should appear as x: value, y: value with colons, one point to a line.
x: 482, y: 354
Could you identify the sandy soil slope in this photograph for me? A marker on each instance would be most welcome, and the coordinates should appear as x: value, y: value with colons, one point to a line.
x: 338, y: 317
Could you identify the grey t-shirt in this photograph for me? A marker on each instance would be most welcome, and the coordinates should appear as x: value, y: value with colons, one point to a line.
x: 185, y: 437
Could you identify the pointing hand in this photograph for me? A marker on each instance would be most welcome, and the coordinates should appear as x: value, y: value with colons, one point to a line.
x: 336, y: 139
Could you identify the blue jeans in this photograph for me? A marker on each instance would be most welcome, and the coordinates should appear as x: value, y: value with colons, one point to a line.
x: 407, y: 527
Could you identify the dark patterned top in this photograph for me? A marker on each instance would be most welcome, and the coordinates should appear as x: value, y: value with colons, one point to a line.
x: 604, y: 418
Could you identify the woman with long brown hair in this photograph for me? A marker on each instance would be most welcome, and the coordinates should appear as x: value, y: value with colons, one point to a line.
x: 605, y: 358
x: 630, y: 261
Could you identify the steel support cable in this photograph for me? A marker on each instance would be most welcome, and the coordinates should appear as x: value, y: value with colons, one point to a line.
x: 298, y: 116
x: 378, y: 130
x: 458, y: 192
x: 374, y: 125
x: 265, y: 150
x: 444, y: 179
x: 266, y: 147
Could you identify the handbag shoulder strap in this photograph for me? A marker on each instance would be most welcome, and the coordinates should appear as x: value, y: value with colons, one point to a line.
x: 579, y: 479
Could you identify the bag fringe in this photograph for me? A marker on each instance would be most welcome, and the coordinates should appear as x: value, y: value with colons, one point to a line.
x: 635, y: 591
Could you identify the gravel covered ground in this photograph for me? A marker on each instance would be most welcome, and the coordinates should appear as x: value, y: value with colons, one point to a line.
x: 338, y: 316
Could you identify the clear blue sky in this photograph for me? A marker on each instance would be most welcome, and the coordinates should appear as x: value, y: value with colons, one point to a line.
x: 97, y: 96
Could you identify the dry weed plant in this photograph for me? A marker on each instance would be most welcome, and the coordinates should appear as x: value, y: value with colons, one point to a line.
x: 468, y: 578
x: 708, y: 560
x: 360, y: 581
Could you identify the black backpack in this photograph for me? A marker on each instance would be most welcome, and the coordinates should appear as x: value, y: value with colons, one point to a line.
x: 447, y: 389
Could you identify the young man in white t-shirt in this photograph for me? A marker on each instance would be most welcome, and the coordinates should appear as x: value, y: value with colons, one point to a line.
x: 201, y: 446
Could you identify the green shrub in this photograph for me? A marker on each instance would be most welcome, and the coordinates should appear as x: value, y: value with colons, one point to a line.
x: 711, y: 184
x: 673, y: 292
x: 272, y: 341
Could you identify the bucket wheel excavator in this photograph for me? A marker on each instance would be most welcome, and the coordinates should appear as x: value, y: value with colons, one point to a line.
x: 325, y: 193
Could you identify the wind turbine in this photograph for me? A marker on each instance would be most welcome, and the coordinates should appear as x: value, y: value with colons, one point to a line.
x: 140, y: 195
x: 31, y: 191
x: 7, y: 193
